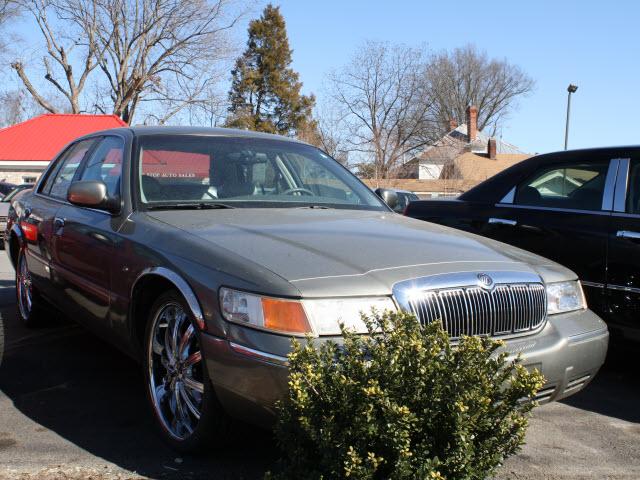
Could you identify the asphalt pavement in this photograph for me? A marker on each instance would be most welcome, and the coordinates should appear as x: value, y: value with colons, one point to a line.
x: 73, y: 407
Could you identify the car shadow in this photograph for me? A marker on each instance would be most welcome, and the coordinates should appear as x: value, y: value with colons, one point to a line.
x: 70, y: 382
x: 615, y: 392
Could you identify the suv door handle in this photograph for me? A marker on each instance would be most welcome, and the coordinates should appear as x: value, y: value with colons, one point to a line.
x: 58, y: 225
x: 628, y: 234
x: 502, y: 221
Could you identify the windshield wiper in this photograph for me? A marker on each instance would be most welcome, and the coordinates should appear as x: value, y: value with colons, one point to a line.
x: 186, y: 206
x: 319, y: 207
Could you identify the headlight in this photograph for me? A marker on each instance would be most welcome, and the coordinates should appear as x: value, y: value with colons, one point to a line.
x: 320, y: 317
x: 285, y: 316
x: 326, y: 315
x: 565, y: 297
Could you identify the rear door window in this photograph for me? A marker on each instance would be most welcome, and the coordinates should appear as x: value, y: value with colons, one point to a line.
x: 571, y: 186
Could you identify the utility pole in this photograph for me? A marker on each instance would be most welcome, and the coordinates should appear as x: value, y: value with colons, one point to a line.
x: 571, y: 89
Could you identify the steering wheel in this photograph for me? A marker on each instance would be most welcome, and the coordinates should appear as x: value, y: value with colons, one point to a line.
x: 298, y: 190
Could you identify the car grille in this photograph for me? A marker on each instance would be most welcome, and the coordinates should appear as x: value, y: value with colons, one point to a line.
x: 503, y: 309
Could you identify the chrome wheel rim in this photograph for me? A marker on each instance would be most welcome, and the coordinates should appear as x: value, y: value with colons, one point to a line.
x: 25, y: 288
x: 175, y: 371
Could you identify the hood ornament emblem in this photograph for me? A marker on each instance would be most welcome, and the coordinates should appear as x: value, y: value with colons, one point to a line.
x: 485, y: 280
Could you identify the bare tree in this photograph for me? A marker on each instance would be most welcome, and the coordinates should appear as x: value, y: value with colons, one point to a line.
x: 8, y: 11
x: 466, y: 77
x: 63, y: 52
x: 17, y: 106
x: 11, y: 108
x: 138, y: 52
x: 385, y: 105
x: 332, y: 132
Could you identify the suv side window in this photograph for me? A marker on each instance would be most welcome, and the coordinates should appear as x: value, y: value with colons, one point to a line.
x: 572, y: 186
x: 633, y: 194
x: 63, y: 172
x: 105, y: 164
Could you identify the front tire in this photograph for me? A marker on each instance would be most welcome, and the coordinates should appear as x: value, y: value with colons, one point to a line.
x: 183, y: 402
x: 28, y: 302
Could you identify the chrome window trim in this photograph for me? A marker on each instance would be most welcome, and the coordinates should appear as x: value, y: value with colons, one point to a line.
x: 622, y: 288
x: 509, y: 197
x: 554, y: 209
x: 620, y: 195
x: 259, y: 355
x: 182, y: 286
x: 609, y: 186
x: 628, y: 234
x: 626, y: 215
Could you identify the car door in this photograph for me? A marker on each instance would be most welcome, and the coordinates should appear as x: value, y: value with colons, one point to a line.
x: 85, y: 242
x: 41, y: 210
x: 623, y: 279
x: 562, y: 211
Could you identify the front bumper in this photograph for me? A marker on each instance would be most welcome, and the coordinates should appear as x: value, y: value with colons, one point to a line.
x: 569, y: 351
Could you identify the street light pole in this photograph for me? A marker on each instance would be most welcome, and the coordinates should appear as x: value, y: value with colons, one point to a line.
x: 571, y: 89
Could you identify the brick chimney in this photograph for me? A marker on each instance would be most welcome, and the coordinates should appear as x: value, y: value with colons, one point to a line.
x: 453, y: 124
x: 472, y: 123
x: 492, y: 148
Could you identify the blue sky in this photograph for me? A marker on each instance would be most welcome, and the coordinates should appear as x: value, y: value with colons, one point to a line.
x: 595, y: 44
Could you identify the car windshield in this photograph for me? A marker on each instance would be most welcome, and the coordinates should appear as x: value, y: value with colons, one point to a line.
x: 181, y: 171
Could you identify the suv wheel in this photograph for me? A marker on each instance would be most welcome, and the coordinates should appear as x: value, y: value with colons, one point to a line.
x: 28, y: 301
x: 181, y: 396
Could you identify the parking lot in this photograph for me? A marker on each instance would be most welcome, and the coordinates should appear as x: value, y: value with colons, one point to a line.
x: 72, y: 406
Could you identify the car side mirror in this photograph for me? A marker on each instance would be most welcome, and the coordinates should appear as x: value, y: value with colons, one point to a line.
x: 388, y: 196
x: 93, y: 194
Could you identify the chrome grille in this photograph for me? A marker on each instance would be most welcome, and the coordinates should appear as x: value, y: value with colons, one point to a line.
x: 503, y: 309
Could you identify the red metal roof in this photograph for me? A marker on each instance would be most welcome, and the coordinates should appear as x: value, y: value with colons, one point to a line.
x: 40, y: 138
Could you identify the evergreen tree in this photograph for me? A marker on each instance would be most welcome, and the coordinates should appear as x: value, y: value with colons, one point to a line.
x: 265, y: 91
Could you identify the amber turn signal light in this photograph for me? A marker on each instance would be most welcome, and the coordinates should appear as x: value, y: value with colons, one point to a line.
x: 285, y: 316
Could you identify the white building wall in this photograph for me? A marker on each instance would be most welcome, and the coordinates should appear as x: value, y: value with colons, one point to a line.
x: 429, y: 171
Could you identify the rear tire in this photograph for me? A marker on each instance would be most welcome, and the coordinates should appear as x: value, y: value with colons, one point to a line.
x: 28, y: 301
x: 182, y: 400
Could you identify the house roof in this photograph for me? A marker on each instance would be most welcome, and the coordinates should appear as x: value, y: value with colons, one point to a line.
x: 454, y: 143
x: 478, y: 167
x: 40, y: 138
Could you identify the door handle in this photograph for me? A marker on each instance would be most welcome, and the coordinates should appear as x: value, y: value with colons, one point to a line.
x: 628, y: 234
x: 502, y: 221
x: 58, y: 225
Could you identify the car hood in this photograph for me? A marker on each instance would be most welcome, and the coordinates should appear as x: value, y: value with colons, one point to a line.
x: 351, y: 252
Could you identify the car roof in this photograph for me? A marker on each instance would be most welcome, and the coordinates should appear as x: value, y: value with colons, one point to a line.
x: 199, y: 131
x: 495, y: 188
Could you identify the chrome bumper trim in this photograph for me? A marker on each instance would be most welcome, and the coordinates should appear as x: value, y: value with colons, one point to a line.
x: 259, y: 355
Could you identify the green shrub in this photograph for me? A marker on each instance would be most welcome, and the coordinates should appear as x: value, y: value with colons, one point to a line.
x: 402, y: 403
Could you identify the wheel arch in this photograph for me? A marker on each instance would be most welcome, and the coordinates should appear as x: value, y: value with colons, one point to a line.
x: 148, y: 285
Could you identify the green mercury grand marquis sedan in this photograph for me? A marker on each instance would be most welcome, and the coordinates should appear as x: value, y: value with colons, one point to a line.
x: 201, y: 252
